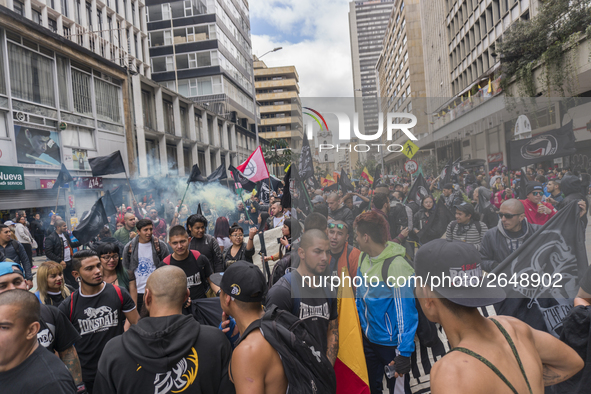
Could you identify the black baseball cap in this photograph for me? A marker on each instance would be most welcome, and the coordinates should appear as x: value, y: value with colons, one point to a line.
x: 531, y: 186
x: 454, y: 259
x: 466, y: 207
x: 242, y: 280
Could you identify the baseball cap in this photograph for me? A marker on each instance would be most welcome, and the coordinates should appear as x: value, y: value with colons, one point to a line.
x: 128, y: 209
x: 10, y: 267
x: 9, y: 223
x: 242, y: 280
x: 454, y: 259
x: 465, y: 207
x: 317, y: 200
x: 531, y: 186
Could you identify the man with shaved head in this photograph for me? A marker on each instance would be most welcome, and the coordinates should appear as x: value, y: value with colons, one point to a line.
x: 128, y: 231
x: 26, y: 367
x: 510, y: 233
x: 167, y: 351
x: 59, y: 248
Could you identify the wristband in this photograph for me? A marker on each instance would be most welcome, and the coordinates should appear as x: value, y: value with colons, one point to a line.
x: 81, y: 389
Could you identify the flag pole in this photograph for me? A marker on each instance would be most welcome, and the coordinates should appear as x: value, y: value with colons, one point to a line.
x: 58, y: 198
x: 130, y: 189
x: 307, y: 195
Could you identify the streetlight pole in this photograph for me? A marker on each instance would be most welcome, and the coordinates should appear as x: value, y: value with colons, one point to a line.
x: 254, y: 95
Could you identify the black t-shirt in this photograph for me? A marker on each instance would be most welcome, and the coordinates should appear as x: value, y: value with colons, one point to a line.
x: 243, y: 254
x: 98, y: 318
x: 42, y: 372
x: 315, y: 309
x: 56, y: 331
x: 586, y: 281
x: 197, y: 271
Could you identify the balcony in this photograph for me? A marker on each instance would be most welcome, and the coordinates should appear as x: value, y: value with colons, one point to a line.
x: 268, y: 109
x: 276, y: 96
x: 276, y: 121
x: 290, y: 82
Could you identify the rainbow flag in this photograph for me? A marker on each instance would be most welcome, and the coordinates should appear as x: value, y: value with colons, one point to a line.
x: 350, y: 367
x: 365, y: 174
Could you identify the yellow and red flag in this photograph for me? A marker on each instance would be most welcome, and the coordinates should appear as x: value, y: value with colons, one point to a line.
x: 350, y: 367
x: 365, y: 174
x: 326, y: 182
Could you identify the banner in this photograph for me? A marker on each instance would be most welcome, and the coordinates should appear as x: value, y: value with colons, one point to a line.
x: 345, y: 182
x: 37, y: 146
x: 219, y: 174
x: 305, y: 165
x: 418, y: 190
x: 108, y: 204
x: 195, y: 175
x: 445, y: 175
x: 107, y: 165
x: 255, y: 168
x: 240, y: 181
x: 547, y: 268
x: 92, y: 224
x: 542, y: 147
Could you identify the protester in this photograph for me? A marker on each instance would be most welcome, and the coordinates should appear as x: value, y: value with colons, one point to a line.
x: 484, y: 207
x: 467, y: 227
x: 51, y: 287
x: 211, y: 215
x: 206, y: 244
x: 571, y: 187
x: 105, y: 237
x: 13, y: 250
x: 26, y: 367
x: 278, y: 217
x: 387, y: 313
x: 51, y: 226
x: 59, y: 248
x: 240, y: 216
x: 113, y: 270
x: 422, y: 217
x: 338, y: 212
x: 142, y: 256
x: 399, y: 216
x: 556, y: 195
x: 159, y: 225
x: 239, y: 251
x: 536, y: 211
x: 56, y: 333
x: 503, y: 196
x: 222, y: 228
x: 255, y: 366
x: 195, y: 265
x: 263, y: 221
x: 165, y: 352
x: 38, y: 233
x: 342, y: 254
x: 522, y: 358
x: 97, y: 310
x: 128, y: 231
x: 449, y: 196
x: 291, y: 230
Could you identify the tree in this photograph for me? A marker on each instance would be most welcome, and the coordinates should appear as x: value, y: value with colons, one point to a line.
x: 369, y: 163
x: 278, y: 153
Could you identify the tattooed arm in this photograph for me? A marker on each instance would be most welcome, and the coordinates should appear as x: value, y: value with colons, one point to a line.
x: 70, y: 358
x: 333, y: 341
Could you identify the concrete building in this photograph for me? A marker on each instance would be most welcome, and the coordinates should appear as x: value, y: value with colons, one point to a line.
x: 59, y: 103
x: 401, y: 78
x: 368, y: 21
x: 202, y: 50
x: 278, y: 97
x: 112, y: 29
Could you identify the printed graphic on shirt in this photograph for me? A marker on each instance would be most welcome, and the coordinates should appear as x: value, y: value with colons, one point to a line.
x: 99, y: 319
x: 311, y: 311
x: 193, y: 280
x: 145, y: 267
x: 45, y: 337
x: 181, y: 376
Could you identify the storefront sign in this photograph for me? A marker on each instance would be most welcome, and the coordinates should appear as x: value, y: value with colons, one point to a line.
x: 46, y: 183
x: 495, y: 157
x: 12, y: 178
x: 88, y: 182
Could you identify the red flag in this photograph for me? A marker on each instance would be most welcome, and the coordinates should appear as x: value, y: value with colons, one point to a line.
x: 255, y: 168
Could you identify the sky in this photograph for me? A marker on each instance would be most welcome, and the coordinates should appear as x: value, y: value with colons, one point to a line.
x: 315, y: 39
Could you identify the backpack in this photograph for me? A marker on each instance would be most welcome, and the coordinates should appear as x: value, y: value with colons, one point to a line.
x: 196, y: 254
x: 454, y: 224
x: 155, y: 242
x: 117, y: 289
x: 306, y: 367
x: 385, y: 265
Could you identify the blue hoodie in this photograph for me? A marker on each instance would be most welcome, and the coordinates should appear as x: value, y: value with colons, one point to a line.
x: 388, y: 315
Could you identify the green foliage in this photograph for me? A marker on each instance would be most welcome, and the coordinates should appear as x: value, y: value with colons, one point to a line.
x: 371, y: 167
x: 546, y: 38
x: 275, y: 157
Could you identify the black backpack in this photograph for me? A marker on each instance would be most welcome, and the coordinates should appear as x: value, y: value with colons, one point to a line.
x: 307, y: 369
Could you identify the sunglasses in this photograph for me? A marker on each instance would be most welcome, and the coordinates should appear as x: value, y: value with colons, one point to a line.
x: 508, y: 215
x: 537, y: 193
x: 339, y: 226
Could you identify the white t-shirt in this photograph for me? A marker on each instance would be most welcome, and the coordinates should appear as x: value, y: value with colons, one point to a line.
x: 278, y: 222
x: 145, y: 266
x: 67, y: 256
x: 224, y: 242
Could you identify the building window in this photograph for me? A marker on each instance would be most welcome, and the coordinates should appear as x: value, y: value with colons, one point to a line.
x: 37, y: 18
x: 65, y: 9
x: 148, y: 109
x: 163, y: 63
x: 133, y: 14
x: 108, y: 105
x: 63, y: 69
x: 184, y: 126
x: 78, y: 137
x: 52, y: 24
x: 173, y: 167
x: 78, y: 11
x: 81, y: 92
x: 18, y: 7
x: 89, y: 15
x: 153, y: 156
x: 160, y: 38
x: 31, y: 75
x: 168, y: 117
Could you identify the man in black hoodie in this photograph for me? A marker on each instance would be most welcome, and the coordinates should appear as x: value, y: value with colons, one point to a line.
x: 571, y: 187
x: 166, y: 352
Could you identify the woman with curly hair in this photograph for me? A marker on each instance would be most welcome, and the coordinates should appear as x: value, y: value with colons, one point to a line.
x: 51, y: 287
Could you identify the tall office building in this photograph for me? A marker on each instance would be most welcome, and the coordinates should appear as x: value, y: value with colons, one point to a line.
x: 368, y: 21
x: 202, y: 50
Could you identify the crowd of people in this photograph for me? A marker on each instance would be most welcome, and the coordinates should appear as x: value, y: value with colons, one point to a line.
x: 120, y: 312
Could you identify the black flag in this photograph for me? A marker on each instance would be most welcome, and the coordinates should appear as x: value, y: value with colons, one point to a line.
x: 522, y: 189
x: 345, y: 182
x: 63, y: 177
x: 275, y: 183
x: 437, y: 225
x: 92, y: 224
x: 107, y: 165
x: 376, y: 176
x: 542, y: 147
x: 108, y: 204
x: 240, y: 181
x: 219, y: 174
x: 286, y: 197
x: 456, y: 169
x: 418, y: 190
x: 445, y: 176
x: 196, y: 175
x: 117, y: 196
x: 305, y: 165
x: 199, y: 211
x: 555, y: 255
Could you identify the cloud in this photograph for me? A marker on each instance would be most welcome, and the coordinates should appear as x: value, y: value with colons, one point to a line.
x: 315, y: 39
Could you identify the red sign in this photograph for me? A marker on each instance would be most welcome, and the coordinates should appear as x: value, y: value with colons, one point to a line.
x: 88, y: 182
x: 411, y: 166
x: 47, y: 183
x: 495, y: 157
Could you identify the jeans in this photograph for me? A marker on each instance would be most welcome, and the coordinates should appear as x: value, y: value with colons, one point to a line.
x: 377, y: 357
